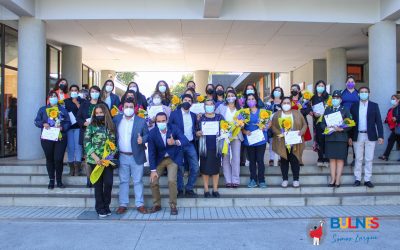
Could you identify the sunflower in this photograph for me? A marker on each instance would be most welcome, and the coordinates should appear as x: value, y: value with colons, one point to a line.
x: 53, y: 114
x: 329, y: 102
x: 141, y: 115
x: 287, y: 124
x: 264, y: 114
x: 307, y: 95
x: 111, y: 145
x: 224, y: 125
x: 246, y: 111
x: 175, y: 100
x: 200, y: 98
x: 114, y: 112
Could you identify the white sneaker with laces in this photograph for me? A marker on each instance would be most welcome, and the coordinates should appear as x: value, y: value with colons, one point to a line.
x: 296, y: 184
x: 284, y: 184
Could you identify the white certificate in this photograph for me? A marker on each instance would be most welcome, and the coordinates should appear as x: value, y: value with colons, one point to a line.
x: 210, y: 128
x: 154, y: 110
x: 72, y: 118
x: 50, y: 134
x: 197, y: 108
x: 319, y: 108
x: 255, y: 136
x: 334, y: 119
x: 292, y: 138
x: 89, y: 120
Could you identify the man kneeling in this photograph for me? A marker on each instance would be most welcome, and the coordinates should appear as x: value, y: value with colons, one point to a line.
x: 165, y: 151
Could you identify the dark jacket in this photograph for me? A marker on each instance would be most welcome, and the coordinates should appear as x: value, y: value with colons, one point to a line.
x: 337, y: 136
x: 42, y: 118
x: 71, y: 107
x: 374, y: 121
x: 176, y: 119
x: 114, y: 100
x: 82, y: 115
x: 158, y: 150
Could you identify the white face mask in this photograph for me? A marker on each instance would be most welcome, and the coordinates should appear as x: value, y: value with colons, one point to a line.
x: 286, y: 107
x: 109, y: 88
x: 156, y: 101
x: 133, y: 88
x: 128, y: 112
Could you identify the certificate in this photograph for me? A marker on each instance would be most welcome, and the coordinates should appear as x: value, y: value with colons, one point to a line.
x: 334, y: 119
x: 292, y: 138
x: 154, y: 110
x: 89, y: 120
x: 72, y: 118
x: 50, y: 134
x: 319, y: 108
x: 197, y: 108
x: 255, y: 136
x: 210, y: 128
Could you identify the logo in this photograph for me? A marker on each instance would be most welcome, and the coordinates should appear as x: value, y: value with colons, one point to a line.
x: 316, y: 232
x: 355, y: 224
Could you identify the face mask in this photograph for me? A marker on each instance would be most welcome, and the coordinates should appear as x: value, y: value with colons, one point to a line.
x: 393, y: 102
x: 162, y: 89
x: 210, y: 91
x: 109, y: 88
x: 335, y: 102
x: 294, y: 92
x: 220, y: 92
x: 53, y: 100
x: 62, y: 86
x: 251, y: 103
x: 320, y: 89
x: 133, y: 88
x: 81, y: 95
x: 250, y: 91
x: 209, y: 108
x: 286, y: 107
x: 74, y: 94
x: 350, y: 85
x: 95, y: 95
x: 364, y: 96
x: 129, y: 112
x: 161, y: 125
x: 100, y: 118
x: 277, y: 94
x: 186, y: 105
x: 156, y: 101
x: 231, y: 99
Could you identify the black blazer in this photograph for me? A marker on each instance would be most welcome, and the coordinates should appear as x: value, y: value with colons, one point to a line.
x: 374, y: 121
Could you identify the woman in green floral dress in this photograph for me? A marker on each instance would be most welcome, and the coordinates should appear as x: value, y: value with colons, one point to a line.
x: 99, y: 143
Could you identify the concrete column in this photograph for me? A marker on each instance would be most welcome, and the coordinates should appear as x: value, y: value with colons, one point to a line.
x: 336, y: 68
x: 106, y: 75
x: 382, y: 65
x: 201, y: 80
x: 72, y: 64
x: 31, y: 85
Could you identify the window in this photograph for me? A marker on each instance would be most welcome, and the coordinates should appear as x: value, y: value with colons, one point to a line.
x: 88, y: 76
x: 357, y: 71
x: 53, y: 67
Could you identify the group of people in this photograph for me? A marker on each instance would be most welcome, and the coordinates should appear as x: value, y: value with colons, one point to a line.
x: 106, y: 131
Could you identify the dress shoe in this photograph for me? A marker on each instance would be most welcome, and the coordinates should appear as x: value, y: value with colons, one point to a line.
x: 180, y: 194
x: 174, y: 210
x: 51, y: 184
x: 216, y: 194
x: 60, y: 185
x: 369, y: 184
x: 121, y: 210
x: 190, y: 194
x: 337, y: 185
x: 271, y: 163
x: 207, y: 195
x: 155, y: 209
x: 357, y: 183
x: 228, y: 185
x: 235, y: 185
x: 383, y: 158
x: 142, y: 210
x: 331, y: 185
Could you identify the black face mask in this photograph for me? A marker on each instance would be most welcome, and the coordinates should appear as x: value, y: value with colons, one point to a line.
x: 186, y: 105
x: 220, y: 92
x: 210, y: 91
x: 62, y: 86
x: 100, y: 118
x: 294, y: 92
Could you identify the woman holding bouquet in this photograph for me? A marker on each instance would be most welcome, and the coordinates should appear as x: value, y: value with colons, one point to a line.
x: 231, y: 167
x: 255, y: 151
x: 287, y: 120
x: 56, y: 116
x: 100, y: 138
x: 336, y: 139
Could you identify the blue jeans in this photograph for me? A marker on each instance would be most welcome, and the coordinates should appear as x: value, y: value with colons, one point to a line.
x: 74, y: 150
x: 190, y: 156
x: 127, y: 169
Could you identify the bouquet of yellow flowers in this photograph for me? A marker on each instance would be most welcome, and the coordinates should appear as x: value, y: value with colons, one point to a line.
x: 108, y: 155
x: 142, y: 113
x: 285, y: 124
x: 347, y: 123
x: 175, y: 101
x: 54, y: 118
x: 200, y: 99
x: 228, y: 132
x: 61, y: 102
x: 114, y: 111
x: 264, y: 117
x: 242, y: 117
x: 307, y: 95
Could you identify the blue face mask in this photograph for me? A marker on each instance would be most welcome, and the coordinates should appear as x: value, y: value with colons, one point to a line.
x: 335, y: 102
x: 162, y: 89
x: 209, y: 108
x: 53, y: 100
x: 74, y: 94
x: 393, y: 102
x: 364, y: 96
x: 161, y: 125
x: 95, y: 95
x: 277, y: 94
x: 320, y: 89
x: 250, y: 91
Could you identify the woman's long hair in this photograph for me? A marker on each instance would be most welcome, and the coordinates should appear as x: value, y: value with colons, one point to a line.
x: 103, y: 92
x: 57, y: 86
x: 167, y: 93
x: 108, y: 122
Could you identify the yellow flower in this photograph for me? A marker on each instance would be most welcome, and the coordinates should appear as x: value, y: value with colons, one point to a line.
x: 307, y: 95
x: 329, y: 102
x: 224, y: 125
x: 175, y: 100
x: 246, y: 111
x: 264, y: 114
x: 141, y: 115
x: 287, y: 124
x: 200, y: 98
x: 112, y: 145
x: 53, y: 114
x: 114, y: 111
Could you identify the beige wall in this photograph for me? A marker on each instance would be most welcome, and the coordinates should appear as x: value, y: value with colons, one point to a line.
x: 310, y: 72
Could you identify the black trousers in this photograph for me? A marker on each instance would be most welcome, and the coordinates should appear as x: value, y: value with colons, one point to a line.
x: 243, y: 154
x: 391, y: 140
x: 256, y: 158
x: 54, y: 152
x: 320, y: 138
x: 102, y: 189
x: 295, y: 165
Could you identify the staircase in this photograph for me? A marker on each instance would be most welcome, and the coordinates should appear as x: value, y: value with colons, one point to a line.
x: 25, y: 184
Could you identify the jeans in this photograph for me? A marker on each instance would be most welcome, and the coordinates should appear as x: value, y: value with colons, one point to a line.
x: 190, y: 155
x: 230, y: 166
x: 54, y: 152
x: 172, y: 168
x: 391, y: 140
x: 127, y: 169
x: 74, y: 149
x: 102, y: 190
x: 256, y: 158
x: 294, y: 164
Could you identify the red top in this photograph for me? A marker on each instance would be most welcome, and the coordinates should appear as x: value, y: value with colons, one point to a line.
x: 390, y: 122
x: 317, y: 233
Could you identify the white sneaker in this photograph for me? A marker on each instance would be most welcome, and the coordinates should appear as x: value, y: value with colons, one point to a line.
x: 284, y: 184
x: 102, y: 215
x: 320, y: 164
x: 326, y: 164
x: 296, y: 184
x: 247, y: 163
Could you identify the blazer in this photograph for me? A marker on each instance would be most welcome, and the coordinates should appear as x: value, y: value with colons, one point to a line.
x: 114, y: 100
x: 42, y: 118
x: 337, y: 136
x: 374, y: 121
x: 71, y: 107
x: 176, y: 119
x: 139, y: 127
x: 82, y: 115
x: 158, y: 150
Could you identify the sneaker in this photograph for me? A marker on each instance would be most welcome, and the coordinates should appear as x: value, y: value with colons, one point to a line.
x: 326, y: 164
x: 252, y: 184
x: 296, y: 184
x: 102, y: 215
x: 284, y: 184
x: 247, y: 163
x: 108, y: 212
x: 262, y: 185
x: 320, y: 164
